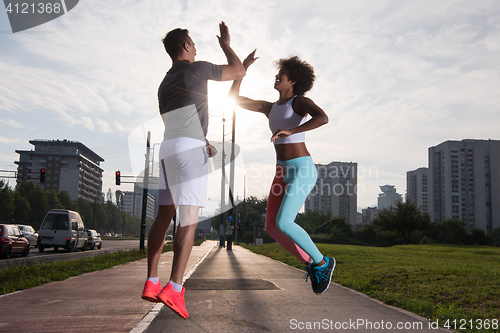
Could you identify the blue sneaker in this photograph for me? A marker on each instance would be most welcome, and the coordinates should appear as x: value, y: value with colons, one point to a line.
x: 321, y: 276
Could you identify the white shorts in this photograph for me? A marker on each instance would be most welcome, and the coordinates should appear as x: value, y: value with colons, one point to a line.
x: 183, y: 172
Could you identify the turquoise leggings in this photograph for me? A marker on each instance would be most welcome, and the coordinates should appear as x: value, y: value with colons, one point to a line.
x: 292, y: 183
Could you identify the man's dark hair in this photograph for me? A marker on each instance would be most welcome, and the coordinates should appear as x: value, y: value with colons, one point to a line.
x: 174, y: 41
x: 299, y: 72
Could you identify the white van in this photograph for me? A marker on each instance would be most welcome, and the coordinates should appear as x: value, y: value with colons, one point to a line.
x: 62, y: 228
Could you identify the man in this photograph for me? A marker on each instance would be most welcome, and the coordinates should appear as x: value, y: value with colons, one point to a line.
x: 221, y: 236
x: 229, y: 236
x: 183, y: 105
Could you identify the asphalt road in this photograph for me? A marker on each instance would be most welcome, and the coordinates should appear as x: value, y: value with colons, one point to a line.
x: 108, y: 246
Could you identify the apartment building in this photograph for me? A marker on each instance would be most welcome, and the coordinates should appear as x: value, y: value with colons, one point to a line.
x: 417, y: 188
x: 464, y: 182
x: 132, y: 202
x: 335, y: 190
x: 69, y: 166
x: 368, y: 214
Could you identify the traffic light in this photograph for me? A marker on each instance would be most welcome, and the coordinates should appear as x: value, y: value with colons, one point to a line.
x: 118, y: 177
x: 42, y: 175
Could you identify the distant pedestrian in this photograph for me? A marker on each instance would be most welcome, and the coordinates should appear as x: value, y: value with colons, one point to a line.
x: 229, y: 234
x: 296, y: 173
x: 221, y: 236
x: 183, y: 104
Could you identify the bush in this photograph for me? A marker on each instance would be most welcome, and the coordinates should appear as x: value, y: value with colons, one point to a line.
x: 335, y: 226
x: 367, y: 234
x: 479, y: 237
x: 450, y: 231
x: 495, y: 234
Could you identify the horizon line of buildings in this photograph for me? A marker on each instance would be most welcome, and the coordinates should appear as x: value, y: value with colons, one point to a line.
x: 462, y: 181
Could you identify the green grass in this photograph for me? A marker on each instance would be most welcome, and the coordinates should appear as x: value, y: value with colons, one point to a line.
x: 198, y: 242
x: 438, y: 282
x: 30, y: 274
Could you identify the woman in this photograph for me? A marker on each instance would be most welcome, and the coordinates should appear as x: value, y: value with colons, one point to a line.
x: 296, y: 173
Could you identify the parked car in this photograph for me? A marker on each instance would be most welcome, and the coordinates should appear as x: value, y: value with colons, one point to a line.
x: 30, y: 233
x: 12, y: 241
x: 62, y: 228
x: 94, y: 239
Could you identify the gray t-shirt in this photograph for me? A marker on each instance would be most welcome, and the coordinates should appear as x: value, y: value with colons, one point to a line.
x: 182, y: 94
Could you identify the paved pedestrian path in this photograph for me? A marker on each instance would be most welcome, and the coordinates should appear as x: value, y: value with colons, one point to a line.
x: 226, y: 291
x: 240, y: 291
x: 102, y: 301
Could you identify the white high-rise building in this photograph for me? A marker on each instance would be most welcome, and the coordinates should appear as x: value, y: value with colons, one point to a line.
x: 132, y: 202
x: 417, y: 188
x: 336, y: 190
x: 388, y: 198
x: 464, y: 182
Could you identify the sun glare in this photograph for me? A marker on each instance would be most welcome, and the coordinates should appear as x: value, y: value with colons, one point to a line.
x: 217, y: 97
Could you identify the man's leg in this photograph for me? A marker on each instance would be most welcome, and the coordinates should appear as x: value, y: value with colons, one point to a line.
x: 170, y: 295
x: 183, y: 242
x: 156, y: 237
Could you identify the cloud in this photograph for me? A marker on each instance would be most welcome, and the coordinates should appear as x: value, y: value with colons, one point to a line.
x: 87, y: 123
x: 11, y: 123
x: 10, y: 140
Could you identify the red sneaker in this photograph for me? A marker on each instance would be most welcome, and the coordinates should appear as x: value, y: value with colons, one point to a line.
x: 174, y: 300
x: 150, y: 291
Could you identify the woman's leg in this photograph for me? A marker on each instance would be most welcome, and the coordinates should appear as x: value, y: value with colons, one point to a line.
x: 300, y: 178
x: 276, y: 194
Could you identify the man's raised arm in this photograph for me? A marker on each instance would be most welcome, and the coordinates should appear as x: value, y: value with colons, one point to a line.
x: 234, y: 69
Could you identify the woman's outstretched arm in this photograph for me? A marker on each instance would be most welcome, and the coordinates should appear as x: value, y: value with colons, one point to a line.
x: 244, y: 102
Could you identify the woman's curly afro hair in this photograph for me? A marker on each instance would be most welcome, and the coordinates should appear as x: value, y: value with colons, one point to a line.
x: 299, y: 72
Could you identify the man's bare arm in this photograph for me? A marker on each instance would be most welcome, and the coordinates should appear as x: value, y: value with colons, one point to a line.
x: 234, y: 69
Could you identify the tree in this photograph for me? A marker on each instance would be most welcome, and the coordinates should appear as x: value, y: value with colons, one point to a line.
x: 39, y: 206
x: 38, y: 200
x: 312, y: 219
x: 54, y: 202
x: 254, y: 208
x: 86, y: 210
x: 335, y: 225
x: 404, y: 219
x: 479, y: 237
x: 66, y: 201
x: 6, y: 202
x: 451, y: 231
x: 367, y: 234
x: 22, y: 211
x: 495, y: 234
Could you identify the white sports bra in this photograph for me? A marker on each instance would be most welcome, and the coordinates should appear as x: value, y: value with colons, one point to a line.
x: 283, y: 117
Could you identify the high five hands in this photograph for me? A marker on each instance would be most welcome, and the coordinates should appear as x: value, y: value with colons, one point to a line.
x: 224, y: 38
x: 250, y: 59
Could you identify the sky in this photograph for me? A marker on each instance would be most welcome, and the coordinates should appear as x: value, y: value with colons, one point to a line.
x: 394, y: 77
